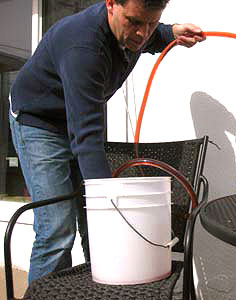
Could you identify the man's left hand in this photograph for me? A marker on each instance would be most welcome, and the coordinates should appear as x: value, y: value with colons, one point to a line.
x: 187, y: 34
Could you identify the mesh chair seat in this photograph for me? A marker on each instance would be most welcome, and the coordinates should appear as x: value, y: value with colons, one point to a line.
x: 77, y: 283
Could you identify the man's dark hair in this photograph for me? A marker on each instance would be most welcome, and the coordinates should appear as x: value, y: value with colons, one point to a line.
x: 158, y: 4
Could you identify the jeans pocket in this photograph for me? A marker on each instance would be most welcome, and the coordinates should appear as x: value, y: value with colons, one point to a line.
x: 16, y: 132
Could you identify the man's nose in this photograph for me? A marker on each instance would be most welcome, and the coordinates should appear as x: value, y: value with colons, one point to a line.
x: 143, y: 31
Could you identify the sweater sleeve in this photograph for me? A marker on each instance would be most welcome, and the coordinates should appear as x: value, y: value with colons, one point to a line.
x: 160, y: 38
x: 83, y: 74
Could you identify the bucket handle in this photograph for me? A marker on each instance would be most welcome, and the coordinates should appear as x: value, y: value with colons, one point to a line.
x: 170, y: 170
x: 170, y: 244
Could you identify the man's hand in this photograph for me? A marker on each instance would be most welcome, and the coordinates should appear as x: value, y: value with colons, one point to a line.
x: 187, y: 34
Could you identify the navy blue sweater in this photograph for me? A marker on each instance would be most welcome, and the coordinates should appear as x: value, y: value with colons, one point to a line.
x: 76, y: 68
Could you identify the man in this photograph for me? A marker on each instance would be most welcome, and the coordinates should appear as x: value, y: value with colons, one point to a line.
x: 57, y: 110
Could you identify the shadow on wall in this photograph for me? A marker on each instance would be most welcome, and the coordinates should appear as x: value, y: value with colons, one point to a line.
x: 211, y: 118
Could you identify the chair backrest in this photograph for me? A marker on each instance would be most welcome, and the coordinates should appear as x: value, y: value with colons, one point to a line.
x: 186, y: 156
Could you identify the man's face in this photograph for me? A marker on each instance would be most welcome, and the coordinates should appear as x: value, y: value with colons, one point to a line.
x: 132, y: 24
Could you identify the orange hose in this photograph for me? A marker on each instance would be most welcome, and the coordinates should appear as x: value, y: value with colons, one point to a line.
x: 221, y: 34
x: 156, y: 65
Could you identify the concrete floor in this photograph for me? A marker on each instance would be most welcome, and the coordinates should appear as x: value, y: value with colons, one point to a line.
x: 20, y: 280
x: 21, y: 243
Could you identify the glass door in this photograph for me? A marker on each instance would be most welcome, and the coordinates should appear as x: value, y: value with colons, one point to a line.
x: 15, y: 49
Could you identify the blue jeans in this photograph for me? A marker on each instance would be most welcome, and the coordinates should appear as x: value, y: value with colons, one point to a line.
x: 50, y: 171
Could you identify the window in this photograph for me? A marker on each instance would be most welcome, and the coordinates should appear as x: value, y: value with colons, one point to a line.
x: 15, y: 49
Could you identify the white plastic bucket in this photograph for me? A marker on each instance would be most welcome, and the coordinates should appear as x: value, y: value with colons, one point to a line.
x: 118, y: 254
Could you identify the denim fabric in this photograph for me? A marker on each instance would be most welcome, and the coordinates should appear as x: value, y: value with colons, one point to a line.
x: 49, y: 171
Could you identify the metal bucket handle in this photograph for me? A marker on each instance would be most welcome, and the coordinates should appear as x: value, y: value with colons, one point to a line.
x: 170, y: 170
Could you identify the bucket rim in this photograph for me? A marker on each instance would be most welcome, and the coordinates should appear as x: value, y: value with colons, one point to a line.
x: 109, y: 195
x: 126, y: 179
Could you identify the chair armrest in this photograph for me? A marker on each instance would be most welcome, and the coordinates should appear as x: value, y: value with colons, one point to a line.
x: 188, y: 284
x: 205, y: 188
x: 8, y: 234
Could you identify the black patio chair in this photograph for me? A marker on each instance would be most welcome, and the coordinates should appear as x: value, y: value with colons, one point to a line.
x: 188, y: 158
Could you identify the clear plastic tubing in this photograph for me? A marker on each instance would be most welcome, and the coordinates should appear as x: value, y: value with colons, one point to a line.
x: 163, y: 166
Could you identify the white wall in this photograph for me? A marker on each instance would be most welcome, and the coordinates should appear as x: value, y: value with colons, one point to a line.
x: 193, y: 92
x: 15, y: 24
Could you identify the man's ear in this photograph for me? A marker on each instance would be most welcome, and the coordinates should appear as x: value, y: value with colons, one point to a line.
x: 109, y: 5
